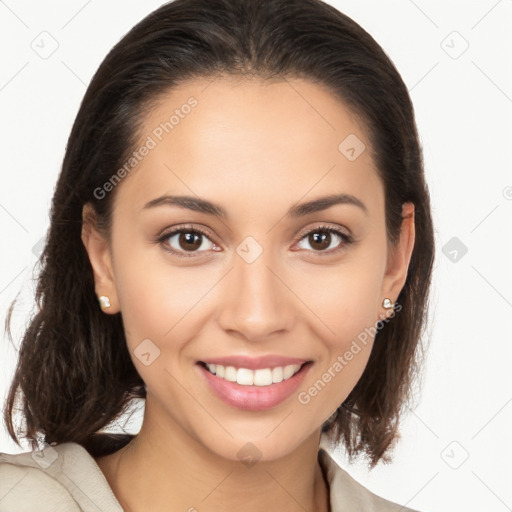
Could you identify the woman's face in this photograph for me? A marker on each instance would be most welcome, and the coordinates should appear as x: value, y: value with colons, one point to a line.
x: 264, y: 287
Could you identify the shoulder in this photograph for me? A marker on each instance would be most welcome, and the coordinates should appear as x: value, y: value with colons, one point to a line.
x: 27, y: 486
x: 61, y: 478
x: 346, y: 493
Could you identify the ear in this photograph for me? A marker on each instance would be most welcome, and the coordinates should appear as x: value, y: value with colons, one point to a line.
x: 400, y: 256
x: 97, y: 247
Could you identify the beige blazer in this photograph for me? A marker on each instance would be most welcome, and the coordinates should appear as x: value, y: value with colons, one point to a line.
x: 66, y: 478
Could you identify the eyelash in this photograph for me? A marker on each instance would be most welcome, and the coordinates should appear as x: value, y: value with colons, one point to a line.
x: 346, y: 239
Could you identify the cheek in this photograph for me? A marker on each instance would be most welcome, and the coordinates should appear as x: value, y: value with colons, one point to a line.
x: 345, y: 306
x: 344, y: 299
x: 156, y: 298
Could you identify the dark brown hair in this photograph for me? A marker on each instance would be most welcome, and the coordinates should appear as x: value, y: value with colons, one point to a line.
x: 74, y: 370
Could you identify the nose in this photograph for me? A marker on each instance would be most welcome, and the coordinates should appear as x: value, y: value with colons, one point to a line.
x: 257, y: 302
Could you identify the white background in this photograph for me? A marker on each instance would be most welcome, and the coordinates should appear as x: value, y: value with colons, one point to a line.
x: 463, y: 104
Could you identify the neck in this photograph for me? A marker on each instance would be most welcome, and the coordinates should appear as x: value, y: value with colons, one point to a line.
x: 163, y: 466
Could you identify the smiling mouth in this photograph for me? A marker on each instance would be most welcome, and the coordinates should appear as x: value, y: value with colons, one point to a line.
x: 259, y: 377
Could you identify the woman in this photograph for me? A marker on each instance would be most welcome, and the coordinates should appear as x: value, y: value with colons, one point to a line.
x: 241, y: 235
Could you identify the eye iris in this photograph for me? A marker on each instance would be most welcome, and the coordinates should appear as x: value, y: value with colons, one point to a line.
x: 320, y: 238
x: 190, y: 240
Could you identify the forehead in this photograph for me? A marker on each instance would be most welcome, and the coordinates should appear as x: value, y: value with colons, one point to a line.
x: 271, y: 141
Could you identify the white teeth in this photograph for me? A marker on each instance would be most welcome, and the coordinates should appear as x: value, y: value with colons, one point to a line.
x: 230, y: 373
x: 263, y: 377
x: 245, y: 377
x: 277, y: 374
x: 260, y: 377
x: 288, y: 371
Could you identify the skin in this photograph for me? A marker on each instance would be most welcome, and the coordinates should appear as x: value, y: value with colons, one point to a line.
x: 255, y: 148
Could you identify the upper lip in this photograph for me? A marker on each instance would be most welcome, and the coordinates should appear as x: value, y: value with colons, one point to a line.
x: 255, y: 363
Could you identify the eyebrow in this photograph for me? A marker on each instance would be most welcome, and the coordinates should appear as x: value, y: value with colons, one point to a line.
x: 200, y: 205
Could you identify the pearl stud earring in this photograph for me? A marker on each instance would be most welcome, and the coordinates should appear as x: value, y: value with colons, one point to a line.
x: 104, y: 302
x: 387, y: 303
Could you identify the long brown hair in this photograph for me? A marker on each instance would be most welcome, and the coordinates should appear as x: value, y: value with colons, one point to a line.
x: 74, y: 374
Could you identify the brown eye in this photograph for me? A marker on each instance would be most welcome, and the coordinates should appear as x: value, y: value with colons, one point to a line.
x: 320, y: 240
x: 187, y: 240
x: 326, y: 239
